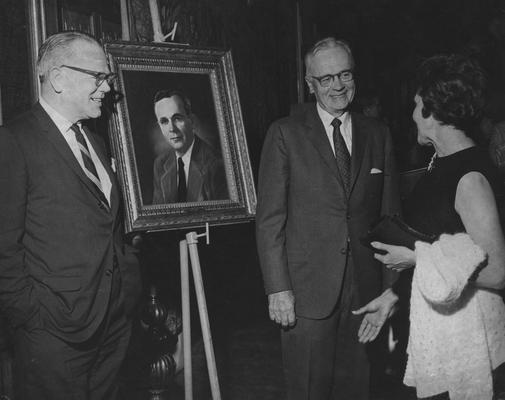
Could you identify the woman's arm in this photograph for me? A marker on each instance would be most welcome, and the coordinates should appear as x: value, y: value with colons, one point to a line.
x: 476, y: 205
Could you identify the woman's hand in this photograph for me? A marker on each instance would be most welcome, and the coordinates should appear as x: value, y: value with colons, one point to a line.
x: 397, y: 258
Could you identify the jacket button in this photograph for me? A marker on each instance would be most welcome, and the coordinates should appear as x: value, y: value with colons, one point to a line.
x: 343, y: 250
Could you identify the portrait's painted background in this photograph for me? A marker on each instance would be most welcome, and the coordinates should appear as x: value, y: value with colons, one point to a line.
x: 148, y: 142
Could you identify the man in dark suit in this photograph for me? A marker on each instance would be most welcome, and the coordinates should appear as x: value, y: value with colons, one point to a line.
x: 326, y: 175
x: 68, y: 281
x: 190, y: 170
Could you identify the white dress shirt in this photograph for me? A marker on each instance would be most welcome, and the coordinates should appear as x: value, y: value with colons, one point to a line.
x: 345, y: 127
x: 186, y: 159
x: 63, y: 126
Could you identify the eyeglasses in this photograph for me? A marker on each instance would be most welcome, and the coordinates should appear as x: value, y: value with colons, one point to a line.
x: 100, y: 77
x: 327, y: 80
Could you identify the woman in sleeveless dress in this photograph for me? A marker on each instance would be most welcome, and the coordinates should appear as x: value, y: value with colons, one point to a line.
x: 457, y: 316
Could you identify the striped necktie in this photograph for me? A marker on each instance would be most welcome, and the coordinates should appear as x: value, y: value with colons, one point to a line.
x: 89, y: 166
x: 342, y: 155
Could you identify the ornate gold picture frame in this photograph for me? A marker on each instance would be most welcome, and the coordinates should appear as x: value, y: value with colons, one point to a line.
x: 206, y: 76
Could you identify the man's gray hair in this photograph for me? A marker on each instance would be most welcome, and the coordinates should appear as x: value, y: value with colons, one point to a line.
x: 58, y: 49
x: 327, y: 43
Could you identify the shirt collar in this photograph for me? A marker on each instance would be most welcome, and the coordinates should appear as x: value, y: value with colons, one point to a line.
x: 327, y: 118
x: 186, y: 158
x: 59, y: 120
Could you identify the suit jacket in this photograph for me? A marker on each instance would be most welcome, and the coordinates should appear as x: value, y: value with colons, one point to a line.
x: 206, y: 178
x: 305, y: 218
x: 58, y: 241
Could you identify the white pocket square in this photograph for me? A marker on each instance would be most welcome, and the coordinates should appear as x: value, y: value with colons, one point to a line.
x: 375, y: 171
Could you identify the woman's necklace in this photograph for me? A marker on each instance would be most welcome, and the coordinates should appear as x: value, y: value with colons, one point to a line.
x: 431, y: 164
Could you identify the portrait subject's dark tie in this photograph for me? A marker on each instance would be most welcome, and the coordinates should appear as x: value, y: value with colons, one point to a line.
x: 89, y: 166
x: 342, y: 154
x: 181, y: 185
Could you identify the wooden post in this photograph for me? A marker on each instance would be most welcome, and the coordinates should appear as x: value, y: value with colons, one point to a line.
x: 155, y: 17
x: 192, y: 239
x: 186, y: 321
x: 125, y: 21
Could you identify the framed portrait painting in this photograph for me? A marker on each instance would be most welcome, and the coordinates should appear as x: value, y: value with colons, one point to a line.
x: 177, y: 137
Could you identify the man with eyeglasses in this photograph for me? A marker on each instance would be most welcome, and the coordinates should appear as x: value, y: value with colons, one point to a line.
x: 326, y: 174
x: 68, y: 281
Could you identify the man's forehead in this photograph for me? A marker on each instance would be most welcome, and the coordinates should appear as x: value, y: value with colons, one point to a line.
x: 332, y: 56
x: 169, y: 106
x: 86, y: 52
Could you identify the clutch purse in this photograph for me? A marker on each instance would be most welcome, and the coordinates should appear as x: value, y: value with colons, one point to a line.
x: 392, y: 230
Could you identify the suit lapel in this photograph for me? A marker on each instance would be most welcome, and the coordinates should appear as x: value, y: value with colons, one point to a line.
x: 195, y: 178
x: 168, y: 179
x: 53, y: 134
x: 359, y: 143
x: 317, y: 135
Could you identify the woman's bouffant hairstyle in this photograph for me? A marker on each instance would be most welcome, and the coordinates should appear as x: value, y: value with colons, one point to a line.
x: 452, y: 88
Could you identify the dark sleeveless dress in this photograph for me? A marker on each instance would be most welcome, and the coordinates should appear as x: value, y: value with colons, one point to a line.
x: 430, y: 206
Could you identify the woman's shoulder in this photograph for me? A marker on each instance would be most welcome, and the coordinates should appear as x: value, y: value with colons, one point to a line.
x: 479, y: 161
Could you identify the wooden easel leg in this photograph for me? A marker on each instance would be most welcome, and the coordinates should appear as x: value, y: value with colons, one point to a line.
x: 186, y: 321
x: 204, y: 317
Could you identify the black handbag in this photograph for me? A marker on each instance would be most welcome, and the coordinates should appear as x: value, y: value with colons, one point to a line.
x: 392, y: 230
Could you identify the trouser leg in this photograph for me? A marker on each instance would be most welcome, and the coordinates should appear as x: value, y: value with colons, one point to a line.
x: 308, y: 356
x: 323, y: 358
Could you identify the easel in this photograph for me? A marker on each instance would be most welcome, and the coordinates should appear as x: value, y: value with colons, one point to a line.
x: 191, y: 243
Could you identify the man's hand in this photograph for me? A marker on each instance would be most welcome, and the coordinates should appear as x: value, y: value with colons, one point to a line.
x: 376, y: 312
x: 281, y: 307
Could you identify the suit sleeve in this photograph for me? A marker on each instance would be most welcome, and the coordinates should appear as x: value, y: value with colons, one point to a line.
x: 271, y: 215
x: 157, y: 193
x: 17, y: 300
x: 391, y: 192
x: 390, y: 196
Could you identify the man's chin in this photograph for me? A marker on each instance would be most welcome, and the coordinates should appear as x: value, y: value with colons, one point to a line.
x: 95, y: 113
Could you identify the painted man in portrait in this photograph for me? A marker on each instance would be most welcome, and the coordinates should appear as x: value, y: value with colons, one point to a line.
x: 189, y: 170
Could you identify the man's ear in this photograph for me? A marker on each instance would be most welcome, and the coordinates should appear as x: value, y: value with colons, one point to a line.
x: 56, y: 79
x: 309, y: 84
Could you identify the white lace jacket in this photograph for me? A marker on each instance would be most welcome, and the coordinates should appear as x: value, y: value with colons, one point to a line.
x: 457, y: 333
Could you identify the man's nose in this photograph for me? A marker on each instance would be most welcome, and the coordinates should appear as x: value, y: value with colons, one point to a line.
x: 337, y: 83
x: 104, y: 87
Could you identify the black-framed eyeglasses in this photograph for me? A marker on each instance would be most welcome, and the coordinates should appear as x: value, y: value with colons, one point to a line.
x: 100, y: 77
x: 327, y: 80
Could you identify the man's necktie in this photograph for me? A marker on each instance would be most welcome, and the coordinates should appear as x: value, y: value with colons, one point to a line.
x: 181, y: 185
x: 342, y: 154
x: 89, y: 166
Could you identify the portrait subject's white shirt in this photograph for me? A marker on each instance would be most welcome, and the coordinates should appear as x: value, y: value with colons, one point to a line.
x: 186, y: 159
x: 63, y: 126
x: 345, y: 127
